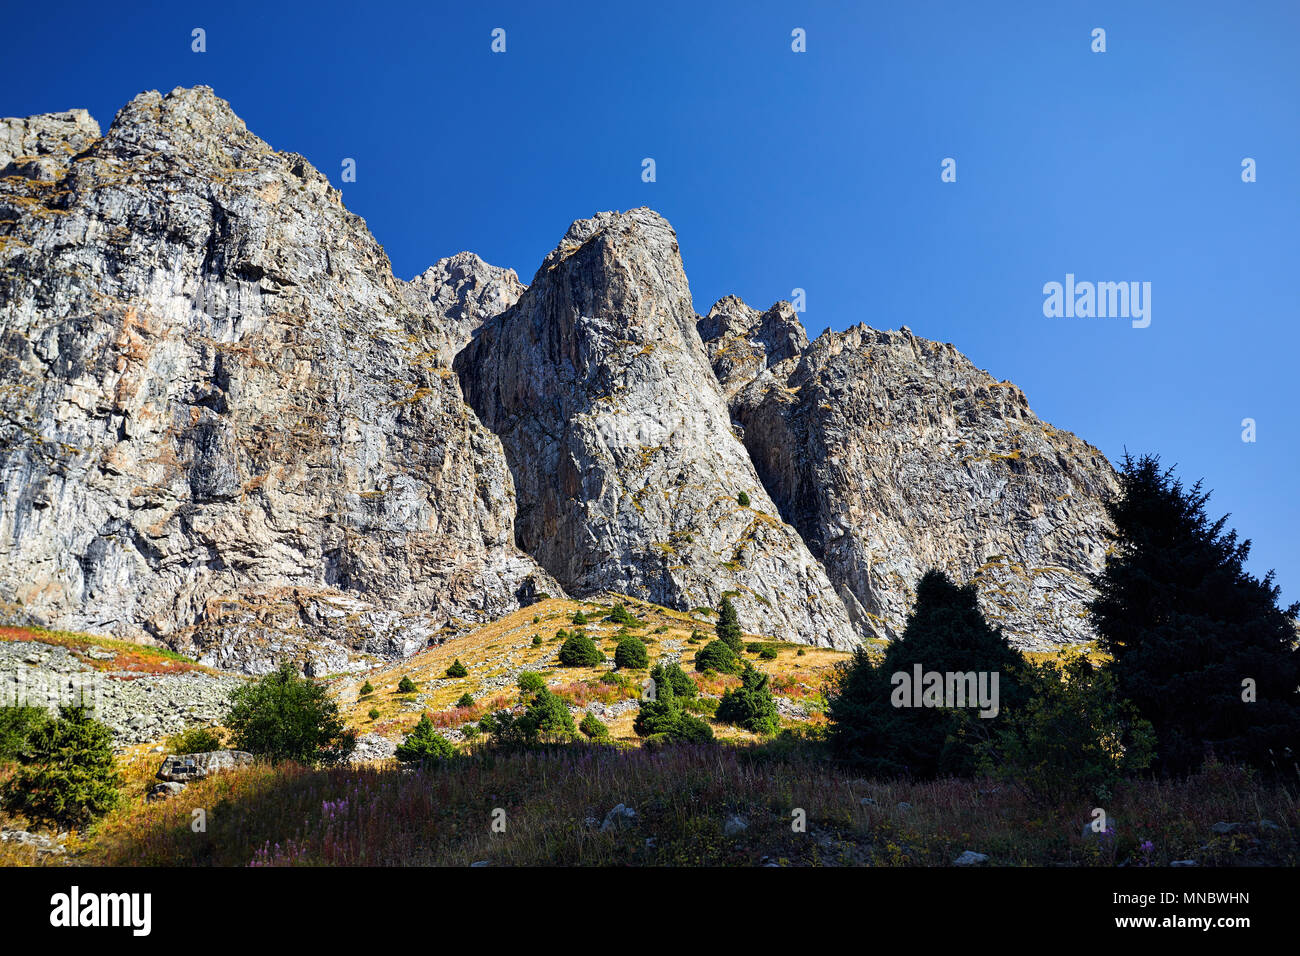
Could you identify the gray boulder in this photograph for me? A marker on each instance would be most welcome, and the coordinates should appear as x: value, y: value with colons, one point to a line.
x: 618, y: 818
x: 185, y: 768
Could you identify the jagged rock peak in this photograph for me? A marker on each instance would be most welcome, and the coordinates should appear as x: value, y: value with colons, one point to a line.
x: 461, y: 292
x: 893, y: 454
x: 611, y: 221
x: 741, y: 342
x: 627, y: 469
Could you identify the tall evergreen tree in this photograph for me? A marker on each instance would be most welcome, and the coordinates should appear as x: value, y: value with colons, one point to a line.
x: 1191, y: 633
x: 945, y: 633
x: 728, y: 626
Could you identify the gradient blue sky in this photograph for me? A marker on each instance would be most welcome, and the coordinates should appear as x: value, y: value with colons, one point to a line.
x: 820, y: 171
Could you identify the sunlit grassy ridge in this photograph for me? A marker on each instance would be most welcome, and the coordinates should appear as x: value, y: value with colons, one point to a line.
x: 496, y: 652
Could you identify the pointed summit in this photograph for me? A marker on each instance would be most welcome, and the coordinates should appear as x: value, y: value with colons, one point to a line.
x: 627, y: 469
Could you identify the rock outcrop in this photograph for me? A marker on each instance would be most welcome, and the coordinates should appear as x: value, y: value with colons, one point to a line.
x: 892, y: 454
x: 627, y: 469
x: 224, y: 424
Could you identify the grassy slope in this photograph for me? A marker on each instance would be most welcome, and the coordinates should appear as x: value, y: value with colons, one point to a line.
x: 112, y: 654
x: 800, y: 677
x: 683, y: 795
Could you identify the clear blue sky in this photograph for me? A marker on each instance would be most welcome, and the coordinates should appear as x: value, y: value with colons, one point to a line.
x: 821, y: 171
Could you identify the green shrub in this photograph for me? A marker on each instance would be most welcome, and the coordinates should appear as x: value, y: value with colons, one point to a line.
x: 530, y: 682
x: 615, y: 679
x: 466, y: 700
x: 716, y: 656
x: 751, y: 705
x: 66, y: 773
x: 547, y: 720
x: 17, y: 724
x: 593, y: 728
x: 1073, y: 737
x: 424, y: 744
x: 580, y: 651
x: 457, y: 669
x: 742, y: 499
x: 561, y: 635
x: 728, y: 627
x: 631, y: 654
x: 537, y: 640
x: 549, y: 717
x: 285, y: 716
x: 367, y: 688
x: 666, y: 720
x: 678, y: 682
x: 619, y: 615
x: 767, y: 652
x: 374, y: 713
x: 700, y: 705
x: 406, y: 685
x: 579, y: 617
x: 695, y: 638
x: 195, y: 740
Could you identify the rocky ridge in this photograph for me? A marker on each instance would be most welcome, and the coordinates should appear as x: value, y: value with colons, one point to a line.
x: 226, y: 426
x: 628, y: 472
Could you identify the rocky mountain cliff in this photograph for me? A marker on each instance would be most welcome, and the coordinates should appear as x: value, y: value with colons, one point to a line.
x: 226, y: 426
x: 892, y: 454
x: 223, y: 423
x: 628, y: 472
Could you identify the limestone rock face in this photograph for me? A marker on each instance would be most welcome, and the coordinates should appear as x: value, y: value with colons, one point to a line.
x: 626, y: 466
x: 892, y: 454
x: 223, y: 423
x: 186, y: 768
x: 41, y: 147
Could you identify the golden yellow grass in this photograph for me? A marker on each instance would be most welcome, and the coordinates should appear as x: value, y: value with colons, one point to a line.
x: 482, y: 650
